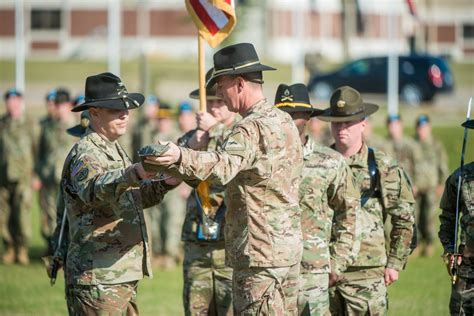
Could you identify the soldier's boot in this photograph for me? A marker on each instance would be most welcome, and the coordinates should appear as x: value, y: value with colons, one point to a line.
x: 9, y: 255
x: 22, y: 256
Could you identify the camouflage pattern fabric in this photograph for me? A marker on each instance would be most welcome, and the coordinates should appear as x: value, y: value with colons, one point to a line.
x: 17, y: 148
x: 260, y: 164
x: 329, y: 202
x: 103, y: 299
x: 462, y: 297
x: 108, y: 242
x: 430, y: 172
x: 395, y: 198
x: 266, y: 291
x: 53, y: 147
x: 313, y: 296
x: 360, y: 292
x: 207, y: 280
x: 406, y: 152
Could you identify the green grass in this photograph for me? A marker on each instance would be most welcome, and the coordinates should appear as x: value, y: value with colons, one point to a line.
x: 423, y: 288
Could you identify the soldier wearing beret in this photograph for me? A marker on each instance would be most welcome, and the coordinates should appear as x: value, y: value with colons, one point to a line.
x: 17, y: 178
x: 462, y: 291
x: 385, y: 190
x: 329, y: 202
x: 104, y: 196
x: 260, y: 164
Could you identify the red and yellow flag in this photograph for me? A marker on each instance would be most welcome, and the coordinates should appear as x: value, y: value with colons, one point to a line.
x: 214, y: 19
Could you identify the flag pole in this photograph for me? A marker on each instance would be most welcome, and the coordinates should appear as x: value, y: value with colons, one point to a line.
x: 202, y: 72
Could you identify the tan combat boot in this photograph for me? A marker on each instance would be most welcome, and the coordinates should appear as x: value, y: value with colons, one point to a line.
x: 22, y: 256
x: 9, y: 255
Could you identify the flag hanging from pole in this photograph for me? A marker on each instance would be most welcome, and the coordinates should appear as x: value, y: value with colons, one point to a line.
x: 214, y: 19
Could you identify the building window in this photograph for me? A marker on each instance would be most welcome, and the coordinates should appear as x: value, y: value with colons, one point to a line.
x: 468, y: 31
x: 45, y: 19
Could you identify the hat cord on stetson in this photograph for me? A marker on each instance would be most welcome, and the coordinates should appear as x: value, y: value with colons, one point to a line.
x: 216, y: 72
x: 292, y: 104
x: 123, y: 97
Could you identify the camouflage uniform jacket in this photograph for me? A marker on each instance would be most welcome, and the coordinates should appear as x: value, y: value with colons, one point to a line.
x: 104, y: 200
x: 260, y: 163
x: 395, y: 199
x: 53, y: 147
x: 433, y: 168
x: 217, y: 135
x: 329, y: 202
x: 466, y: 213
x: 17, y: 149
x: 406, y: 152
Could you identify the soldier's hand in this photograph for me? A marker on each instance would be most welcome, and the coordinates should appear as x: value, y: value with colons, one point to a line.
x: 333, y: 279
x: 167, y: 158
x: 391, y: 275
x: 142, y: 173
x: 205, y: 121
x: 49, y: 262
x: 171, y: 180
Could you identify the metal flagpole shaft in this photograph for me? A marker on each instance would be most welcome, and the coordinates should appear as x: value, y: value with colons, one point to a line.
x: 19, y: 46
x: 202, y: 73
x: 114, y: 32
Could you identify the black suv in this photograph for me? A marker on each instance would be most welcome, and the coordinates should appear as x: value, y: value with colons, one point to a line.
x: 420, y: 77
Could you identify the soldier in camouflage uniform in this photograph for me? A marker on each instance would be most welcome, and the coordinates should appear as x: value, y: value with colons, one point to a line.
x: 462, y: 292
x: 260, y: 164
x: 430, y: 173
x: 104, y: 196
x: 207, y: 280
x: 328, y: 201
x: 319, y: 132
x: 385, y: 190
x: 53, y: 146
x: 370, y: 138
x: 17, y: 148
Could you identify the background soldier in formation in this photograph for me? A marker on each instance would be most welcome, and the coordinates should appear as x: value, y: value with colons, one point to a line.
x: 462, y: 292
x: 430, y: 173
x: 207, y: 279
x: 385, y: 190
x: 260, y: 164
x: 104, y: 197
x: 53, y: 147
x: 17, y: 148
x: 328, y: 201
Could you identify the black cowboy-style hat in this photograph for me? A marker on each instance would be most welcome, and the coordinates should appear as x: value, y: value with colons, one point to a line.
x: 235, y: 60
x: 468, y: 124
x: 211, y: 92
x: 346, y: 105
x: 106, y: 90
x: 294, y: 98
x: 79, y: 129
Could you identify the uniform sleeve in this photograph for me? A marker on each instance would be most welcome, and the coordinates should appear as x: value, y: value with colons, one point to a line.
x: 402, y: 218
x: 344, y: 199
x: 220, y: 167
x: 153, y: 191
x: 96, y: 186
x: 447, y: 217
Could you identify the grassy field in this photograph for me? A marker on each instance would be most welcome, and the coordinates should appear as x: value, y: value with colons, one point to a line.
x: 423, y: 288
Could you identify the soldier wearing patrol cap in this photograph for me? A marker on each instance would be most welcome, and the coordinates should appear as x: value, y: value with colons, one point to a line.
x: 462, y: 291
x: 329, y: 202
x: 207, y: 279
x: 17, y: 177
x: 260, y: 164
x: 385, y: 190
x: 104, y: 196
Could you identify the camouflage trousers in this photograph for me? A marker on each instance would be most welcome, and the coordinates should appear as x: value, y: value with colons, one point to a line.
x: 153, y: 224
x: 207, y: 280
x: 313, y: 296
x: 266, y: 291
x: 425, y: 220
x: 462, y: 297
x: 48, y: 196
x: 361, y: 291
x: 172, y: 209
x: 103, y: 299
x: 15, y: 214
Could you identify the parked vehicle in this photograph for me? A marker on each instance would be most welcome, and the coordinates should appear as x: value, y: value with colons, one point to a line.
x: 420, y: 77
